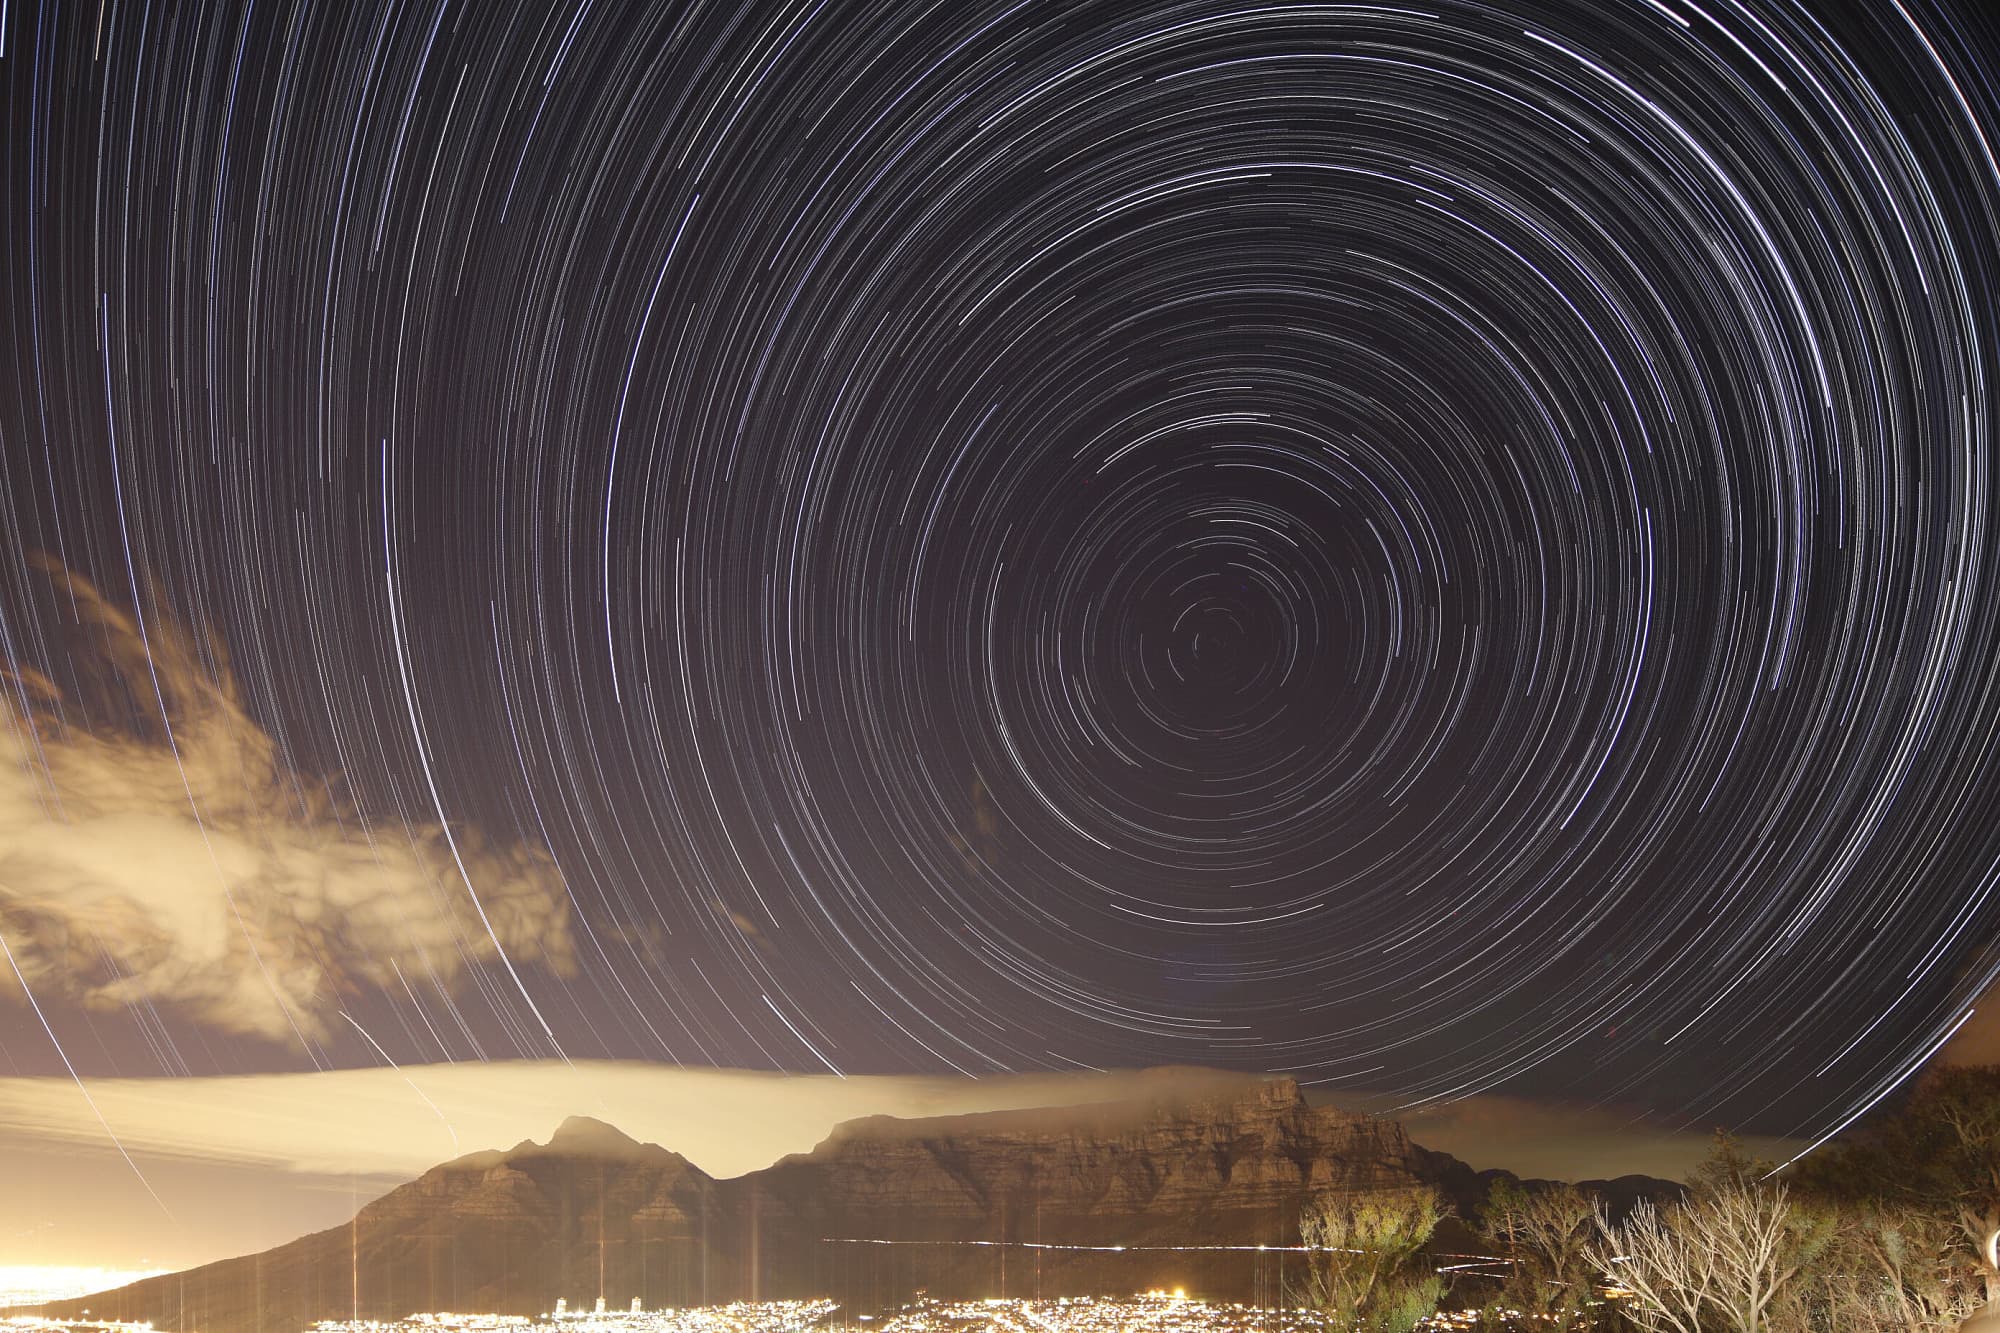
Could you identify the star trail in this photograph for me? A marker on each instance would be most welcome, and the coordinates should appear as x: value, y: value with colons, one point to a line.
x: 1438, y: 548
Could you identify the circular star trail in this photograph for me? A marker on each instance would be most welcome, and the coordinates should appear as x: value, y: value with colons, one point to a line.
x: 1435, y: 547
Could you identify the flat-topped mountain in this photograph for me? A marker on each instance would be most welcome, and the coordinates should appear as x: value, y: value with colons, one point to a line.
x: 1241, y: 1166
x: 1088, y: 1199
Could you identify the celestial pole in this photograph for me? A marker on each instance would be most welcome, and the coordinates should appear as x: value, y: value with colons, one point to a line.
x: 1437, y: 548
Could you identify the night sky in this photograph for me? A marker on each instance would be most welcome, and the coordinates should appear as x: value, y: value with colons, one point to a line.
x: 1439, y: 548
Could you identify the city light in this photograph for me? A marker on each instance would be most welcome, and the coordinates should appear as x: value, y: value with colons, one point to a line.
x: 31, y: 1284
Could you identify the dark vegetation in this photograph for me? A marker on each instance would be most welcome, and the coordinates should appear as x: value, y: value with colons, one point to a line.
x: 1890, y: 1230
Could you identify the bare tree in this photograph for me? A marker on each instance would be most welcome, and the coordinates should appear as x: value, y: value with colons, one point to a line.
x: 1546, y: 1235
x: 1764, y: 1245
x: 1362, y: 1257
x: 1731, y: 1257
x: 1652, y: 1261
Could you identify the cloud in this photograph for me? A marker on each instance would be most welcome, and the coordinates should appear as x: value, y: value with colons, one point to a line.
x: 1558, y: 1141
x: 401, y: 1122
x: 248, y: 1162
x: 183, y: 862
x: 1977, y: 1041
x: 245, y: 1163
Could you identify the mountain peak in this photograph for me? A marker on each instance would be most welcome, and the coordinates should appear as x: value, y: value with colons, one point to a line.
x: 1202, y: 1183
x: 585, y: 1136
x: 582, y: 1133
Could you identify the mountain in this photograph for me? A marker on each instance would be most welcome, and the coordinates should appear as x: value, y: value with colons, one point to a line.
x: 1227, y: 1170
x: 502, y: 1231
x: 1093, y: 1199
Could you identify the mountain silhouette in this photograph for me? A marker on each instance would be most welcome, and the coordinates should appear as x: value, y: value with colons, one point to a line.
x: 1109, y: 1198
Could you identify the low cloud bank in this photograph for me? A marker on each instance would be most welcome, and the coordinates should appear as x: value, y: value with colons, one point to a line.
x: 1554, y: 1141
x: 402, y: 1121
x: 248, y: 1162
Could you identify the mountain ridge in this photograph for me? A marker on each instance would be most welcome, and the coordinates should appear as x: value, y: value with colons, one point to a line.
x: 998, y: 1202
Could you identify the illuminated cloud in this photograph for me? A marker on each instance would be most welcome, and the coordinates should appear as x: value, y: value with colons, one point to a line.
x: 184, y: 863
x: 1977, y: 1041
x: 249, y: 1162
x: 400, y: 1122
x: 1556, y: 1141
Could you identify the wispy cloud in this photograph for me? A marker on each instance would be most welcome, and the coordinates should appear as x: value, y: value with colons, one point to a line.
x: 179, y: 860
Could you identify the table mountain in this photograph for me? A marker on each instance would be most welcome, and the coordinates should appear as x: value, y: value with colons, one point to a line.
x: 1089, y: 1199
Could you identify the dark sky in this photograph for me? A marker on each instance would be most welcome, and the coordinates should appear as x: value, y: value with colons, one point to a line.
x: 1437, y: 547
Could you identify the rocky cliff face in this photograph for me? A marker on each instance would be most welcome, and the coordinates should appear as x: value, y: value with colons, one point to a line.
x: 1240, y: 1167
x: 1091, y: 1199
x: 887, y: 1206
